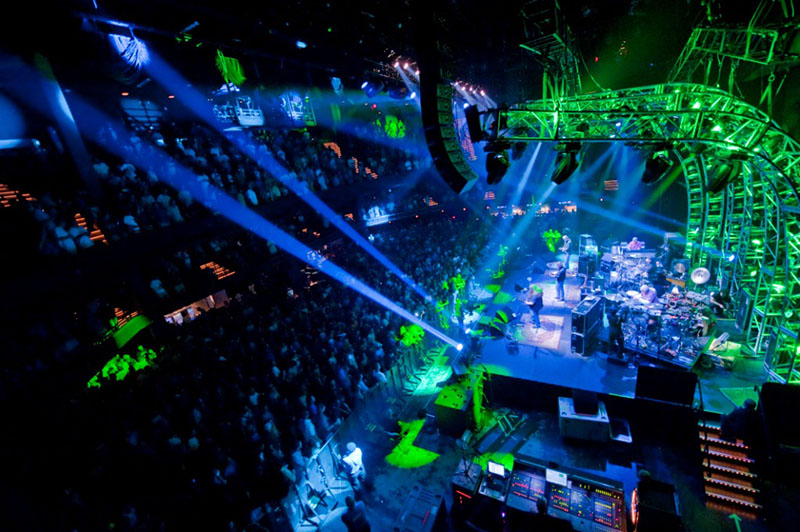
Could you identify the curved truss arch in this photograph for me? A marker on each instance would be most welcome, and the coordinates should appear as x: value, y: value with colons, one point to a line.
x: 755, y: 220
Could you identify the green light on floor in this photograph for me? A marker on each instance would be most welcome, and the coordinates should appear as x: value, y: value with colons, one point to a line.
x: 494, y: 369
x: 502, y: 298
x: 405, y: 454
x: 716, y: 129
x: 493, y: 288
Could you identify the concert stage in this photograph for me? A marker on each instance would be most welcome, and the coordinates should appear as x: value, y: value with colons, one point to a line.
x: 544, y: 356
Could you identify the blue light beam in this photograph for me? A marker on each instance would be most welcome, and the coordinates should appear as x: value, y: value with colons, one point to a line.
x: 217, y: 200
x: 170, y: 78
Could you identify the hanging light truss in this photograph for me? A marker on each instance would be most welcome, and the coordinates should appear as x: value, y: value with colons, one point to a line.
x: 754, y: 218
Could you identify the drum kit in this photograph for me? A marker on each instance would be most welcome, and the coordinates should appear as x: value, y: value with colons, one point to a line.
x: 670, y: 326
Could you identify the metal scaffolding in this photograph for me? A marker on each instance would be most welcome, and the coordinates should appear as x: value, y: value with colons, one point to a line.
x: 750, y: 229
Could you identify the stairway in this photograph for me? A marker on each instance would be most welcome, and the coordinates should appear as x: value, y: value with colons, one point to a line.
x: 729, y: 472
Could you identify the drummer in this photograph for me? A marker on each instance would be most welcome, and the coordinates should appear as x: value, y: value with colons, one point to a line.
x: 648, y: 294
x: 635, y: 244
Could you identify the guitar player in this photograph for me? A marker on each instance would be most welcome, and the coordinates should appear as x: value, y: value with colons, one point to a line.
x: 565, y: 250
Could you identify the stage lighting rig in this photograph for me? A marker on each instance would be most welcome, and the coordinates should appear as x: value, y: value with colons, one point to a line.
x: 725, y: 172
x: 658, y: 164
x: 497, y: 162
x: 373, y: 86
x: 567, y: 162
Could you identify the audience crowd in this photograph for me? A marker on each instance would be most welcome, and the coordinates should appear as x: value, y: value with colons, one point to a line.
x: 235, y: 402
x: 135, y: 198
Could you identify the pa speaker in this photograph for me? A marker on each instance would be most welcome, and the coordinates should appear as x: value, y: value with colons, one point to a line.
x: 670, y: 386
x: 436, y: 101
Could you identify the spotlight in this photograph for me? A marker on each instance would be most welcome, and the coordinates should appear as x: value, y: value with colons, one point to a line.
x: 460, y: 347
x: 405, y: 65
x: 731, y: 257
x: 656, y: 167
x: 301, y: 44
x: 413, y: 95
x: 373, y: 87
x: 497, y: 164
x: 723, y: 174
x: 567, y: 163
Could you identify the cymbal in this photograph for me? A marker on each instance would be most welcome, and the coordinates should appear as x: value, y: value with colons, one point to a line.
x: 615, y: 297
x: 701, y: 276
x: 632, y: 293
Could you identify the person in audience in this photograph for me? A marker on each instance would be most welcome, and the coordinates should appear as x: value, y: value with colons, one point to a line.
x: 355, y: 516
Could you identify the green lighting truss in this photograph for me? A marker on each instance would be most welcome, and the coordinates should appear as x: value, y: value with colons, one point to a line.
x: 707, y: 45
x: 756, y: 217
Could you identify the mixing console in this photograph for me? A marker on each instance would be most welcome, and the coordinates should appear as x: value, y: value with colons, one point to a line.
x: 587, y: 504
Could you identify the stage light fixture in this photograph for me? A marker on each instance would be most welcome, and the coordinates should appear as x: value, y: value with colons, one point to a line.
x: 567, y: 162
x: 373, y: 87
x: 497, y: 164
x: 656, y: 167
x: 723, y: 174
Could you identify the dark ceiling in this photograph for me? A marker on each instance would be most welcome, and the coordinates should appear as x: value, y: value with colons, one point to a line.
x: 624, y: 42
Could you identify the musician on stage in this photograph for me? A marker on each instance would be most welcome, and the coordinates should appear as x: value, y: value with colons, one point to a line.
x: 719, y: 302
x: 561, y: 275
x: 616, y: 338
x: 648, y: 294
x: 635, y: 244
x: 565, y: 249
x: 535, y: 302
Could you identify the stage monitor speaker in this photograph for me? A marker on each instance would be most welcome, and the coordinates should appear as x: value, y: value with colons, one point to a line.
x: 666, y: 385
x: 585, y: 402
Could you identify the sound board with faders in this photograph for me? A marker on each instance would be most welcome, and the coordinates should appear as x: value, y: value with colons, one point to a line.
x: 588, y: 504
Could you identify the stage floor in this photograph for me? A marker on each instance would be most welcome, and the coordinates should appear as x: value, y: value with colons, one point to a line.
x: 545, y: 356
